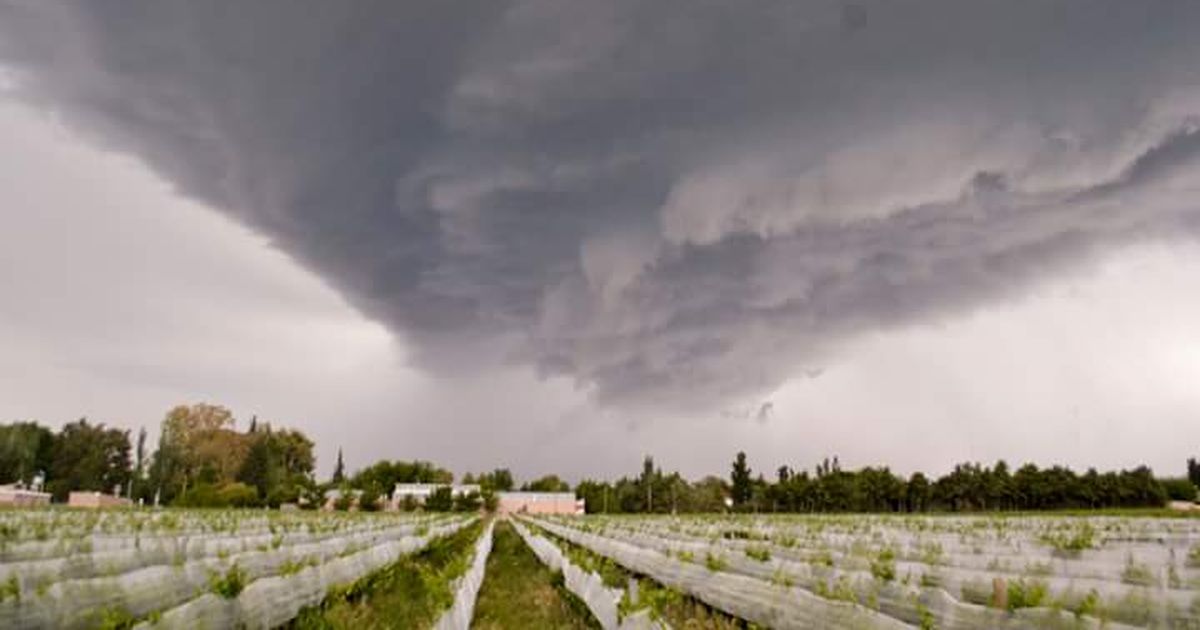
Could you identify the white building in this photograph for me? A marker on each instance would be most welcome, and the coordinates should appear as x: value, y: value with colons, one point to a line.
x: 334, y: 494
x: 419, y: 492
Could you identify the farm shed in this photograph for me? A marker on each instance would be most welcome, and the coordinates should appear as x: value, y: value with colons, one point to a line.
x: 16, y: 496
x: 539, y: 503
x: 96, y: 500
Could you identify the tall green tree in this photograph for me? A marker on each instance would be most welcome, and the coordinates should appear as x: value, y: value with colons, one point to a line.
x: 547, y: 483
x: 339, y: 470
x: 26, y: 448
x: 741, y: 482
x: 89, y: 457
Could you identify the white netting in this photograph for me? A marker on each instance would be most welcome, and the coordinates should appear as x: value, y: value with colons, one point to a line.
x: 466, y: 588
x: 39, y: 574
x: 273, y: 601
x: 920, y: 591
x: 77, y: 603
x: 55, y: 534
x: 754, y: 600
x: 588, y: 586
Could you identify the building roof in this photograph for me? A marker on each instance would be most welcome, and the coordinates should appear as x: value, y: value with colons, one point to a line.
x: 537, y: 496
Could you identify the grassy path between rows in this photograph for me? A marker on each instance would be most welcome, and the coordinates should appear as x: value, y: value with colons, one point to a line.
x: 520, y: 592
x: 412, y: 593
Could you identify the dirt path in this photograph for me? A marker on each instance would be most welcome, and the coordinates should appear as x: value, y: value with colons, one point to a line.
x: 520, y: 592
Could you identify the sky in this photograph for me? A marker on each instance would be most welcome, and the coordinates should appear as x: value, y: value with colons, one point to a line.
x: 559, y: 237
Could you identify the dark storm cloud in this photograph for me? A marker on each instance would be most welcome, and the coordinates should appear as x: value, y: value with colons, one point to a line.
x: 677, y: 203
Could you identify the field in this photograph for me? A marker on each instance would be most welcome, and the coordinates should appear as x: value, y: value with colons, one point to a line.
x: 228, y: 568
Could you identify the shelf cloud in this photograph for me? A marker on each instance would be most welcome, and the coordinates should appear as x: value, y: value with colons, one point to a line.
x: 678, y: 204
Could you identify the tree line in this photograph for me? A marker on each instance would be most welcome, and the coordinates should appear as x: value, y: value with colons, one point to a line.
x: 203, y: 460
x: 970, y: 487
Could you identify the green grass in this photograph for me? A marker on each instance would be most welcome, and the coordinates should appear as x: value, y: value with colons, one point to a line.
x: 520, y: 592
x: 412, y: 593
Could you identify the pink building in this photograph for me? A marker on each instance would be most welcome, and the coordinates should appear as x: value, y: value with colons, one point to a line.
x: 539, y: 503
x: 96, y: 500
x: 16, y: 496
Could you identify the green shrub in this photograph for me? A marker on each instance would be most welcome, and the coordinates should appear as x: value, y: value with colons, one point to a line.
x: 10, y: 588
x: 1089, y: 605
x: 206, y: 495
x: 714, y: 563
x: 344, y: 501
x: 1027, y: 593
x: 1072, y: 542
x: 762, y: 554
x: 114, y: 618
x: 237, y: 494
x: 883, y: 566
x: 229, y: 585
x: 368, y: 501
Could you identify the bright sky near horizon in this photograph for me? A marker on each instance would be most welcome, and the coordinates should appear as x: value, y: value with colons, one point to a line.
x: 449, y: 272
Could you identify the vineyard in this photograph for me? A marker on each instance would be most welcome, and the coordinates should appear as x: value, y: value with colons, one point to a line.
x: 927, y: 572
x: 264, y: 569
x: 61, y: 569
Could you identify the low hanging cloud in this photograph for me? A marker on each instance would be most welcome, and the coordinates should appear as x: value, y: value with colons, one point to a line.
x: 679, y: 204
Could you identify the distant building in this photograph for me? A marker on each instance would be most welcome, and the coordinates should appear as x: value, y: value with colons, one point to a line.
x: 419, y: 492
x: 96, y: 500
x: 333, y: 495
x: 17, y: 496
x: 539, y: 503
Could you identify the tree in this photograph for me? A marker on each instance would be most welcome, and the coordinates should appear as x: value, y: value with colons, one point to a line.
x: 26, y: 448
x: 1179, y: 489
x: 135, y: 490
x: 708, y: 495
x: 198, y: 440
x: 312, y: 494
x: 440, y: 500
x: 339, y: 470
x: 468, y: 502
x: 917, y: 493
x: 499, y: 480
x: 368, y: 501
x: 742, y: 484
x: 88, y: 457
x: 1193, y: 471
x: 257, y: 470
x: 547, y: 483
x: 490, y: 500
x: 647, y: 482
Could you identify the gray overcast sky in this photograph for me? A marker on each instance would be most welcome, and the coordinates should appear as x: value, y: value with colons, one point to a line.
x: 558, y: 236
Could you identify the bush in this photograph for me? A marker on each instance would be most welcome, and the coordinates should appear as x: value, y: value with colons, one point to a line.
x: 206, y: 495
x: 345, y: 500
x: 1027, y: 594
x: 368, y: 501
x: 467, y: 502
x: 440, y: 500
x: 237, y: 495
x: 490, y: 501
x: 1179, y: 489
x: 883, y: 566
x: 229, y: 585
